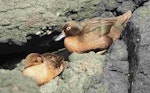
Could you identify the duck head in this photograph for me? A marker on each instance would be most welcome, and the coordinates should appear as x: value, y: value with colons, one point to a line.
x: 70, y: 28
x: 33, y: 59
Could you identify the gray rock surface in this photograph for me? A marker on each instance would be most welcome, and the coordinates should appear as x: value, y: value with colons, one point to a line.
x: 110, y: 4
x: 117, y: 68
x: 93, y: 73
x: 126, y: 5
x: 140, y: 2
x: 138, y: 46
x: 118, y: 51
x: 86, y: 73
x: 20, y: 18
x: 14, y: 82
x: 80, y: 69
x: 22, y: 22
x: 115, y: 76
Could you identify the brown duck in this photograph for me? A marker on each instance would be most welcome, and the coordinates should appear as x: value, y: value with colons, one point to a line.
x: 43, y: 68
x: 96, y: 33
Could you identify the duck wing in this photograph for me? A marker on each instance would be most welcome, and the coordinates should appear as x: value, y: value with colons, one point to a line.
x: 102, y: 26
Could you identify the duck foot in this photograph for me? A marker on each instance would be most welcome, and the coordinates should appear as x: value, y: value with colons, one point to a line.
x: 101, y: 52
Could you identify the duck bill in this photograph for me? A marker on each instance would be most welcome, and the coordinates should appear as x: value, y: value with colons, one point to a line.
x: 61, y: 35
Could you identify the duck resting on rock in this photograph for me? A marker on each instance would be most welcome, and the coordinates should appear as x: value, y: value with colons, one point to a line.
x: 43, y: 67
x: 96, y: 33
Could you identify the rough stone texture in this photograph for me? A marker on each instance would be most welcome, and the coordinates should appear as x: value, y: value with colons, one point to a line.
x: 120, y: 1
x: 118, y: 51
x: 20, y: 18
x: 138, y: 46
x: 110, y: 4
x: 77, y: 76
x: 140, y: 2
x: 117, y: 68
x: 84, y: 73
x: 107, y: 14
x: 141, y: 83
x: 115, y: 76
x: 14, y: 82
x: 125, y: 6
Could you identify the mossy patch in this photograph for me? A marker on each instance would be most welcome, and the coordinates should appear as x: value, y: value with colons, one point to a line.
x: 14, y: 82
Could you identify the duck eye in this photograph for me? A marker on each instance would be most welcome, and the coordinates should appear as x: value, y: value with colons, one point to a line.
x: 68, y: 28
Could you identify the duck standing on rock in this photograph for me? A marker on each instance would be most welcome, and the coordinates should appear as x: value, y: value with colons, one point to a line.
x: 43, y: 67
x: 91, y: 34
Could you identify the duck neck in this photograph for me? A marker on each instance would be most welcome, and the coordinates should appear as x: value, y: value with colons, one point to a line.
x: 73, y: 44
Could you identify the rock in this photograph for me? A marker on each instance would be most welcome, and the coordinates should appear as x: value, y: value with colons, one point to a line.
x: 21, y: 18
x: 120, y: 1
x: 118, y: 82
x: 125, y: 6
x: 93, y: 73
x: 117, y: 68
x: 27, y: 26
x: 118, y: 51
x: 44, y: 43
x: 140, y: 2
x: 142, y: 84
x: 14, y: 82
x: 22, y: 22
x: 54, y: 85
x: 89, y: 72
x: 107, y: 15
x: 137, y: 38
x: 78, y: 74
x: 115, y: 76
x: 110, y: 4
x: 110, y: 82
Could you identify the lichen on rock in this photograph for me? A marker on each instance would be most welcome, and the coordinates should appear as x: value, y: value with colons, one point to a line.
x: 14, y: 82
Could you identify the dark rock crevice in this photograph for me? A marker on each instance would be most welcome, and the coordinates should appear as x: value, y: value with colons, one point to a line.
x: 36, y: 43
x: 146, y: 75
x: 140, y: 2
x: 132, y: 38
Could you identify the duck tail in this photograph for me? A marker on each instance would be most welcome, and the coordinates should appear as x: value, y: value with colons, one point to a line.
x: 125, y: 17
